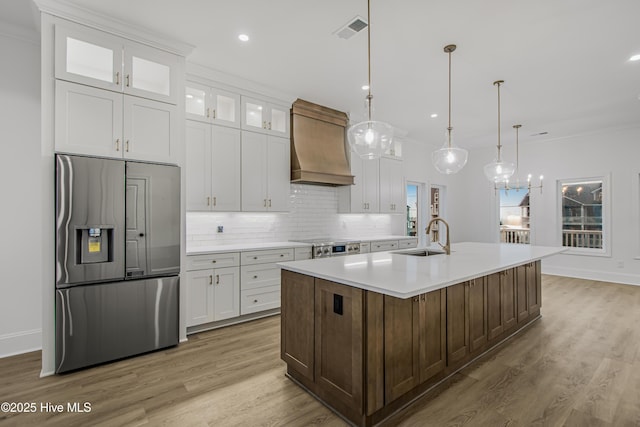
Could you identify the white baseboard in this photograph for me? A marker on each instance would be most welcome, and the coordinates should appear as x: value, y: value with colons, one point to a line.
x: 20, y: 342
x: 602, y: 276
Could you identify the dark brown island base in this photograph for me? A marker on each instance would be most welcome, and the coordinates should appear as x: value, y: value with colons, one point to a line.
x: 366, y: 355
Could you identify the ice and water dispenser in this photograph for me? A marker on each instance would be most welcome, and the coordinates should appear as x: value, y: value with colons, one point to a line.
x: 95, y: 245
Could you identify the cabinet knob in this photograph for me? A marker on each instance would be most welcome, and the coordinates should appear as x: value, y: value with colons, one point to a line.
x: 255, y: 301
x: 416, y: 299
x: 255, y: 257
x: 255, y: 277
x: 281, y: 255
x: 213, y: 261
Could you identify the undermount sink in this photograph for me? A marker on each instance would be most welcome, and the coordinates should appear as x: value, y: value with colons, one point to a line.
x: 420, y: 252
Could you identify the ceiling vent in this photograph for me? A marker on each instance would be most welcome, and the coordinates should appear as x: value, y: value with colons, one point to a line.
x: 352, y: 27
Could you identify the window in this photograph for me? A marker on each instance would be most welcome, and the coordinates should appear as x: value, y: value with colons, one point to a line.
x: 514, y: 216
x: 412, y: 210
x: 584, y: 207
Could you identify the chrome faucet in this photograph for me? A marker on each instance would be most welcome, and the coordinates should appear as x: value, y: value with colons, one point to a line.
x: 447, y: 245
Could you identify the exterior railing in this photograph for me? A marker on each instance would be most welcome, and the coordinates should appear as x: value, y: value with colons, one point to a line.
x: 514, y: 235
x: 591, y: 239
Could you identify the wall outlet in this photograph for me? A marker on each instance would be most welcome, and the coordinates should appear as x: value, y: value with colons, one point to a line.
x: 220, y: 228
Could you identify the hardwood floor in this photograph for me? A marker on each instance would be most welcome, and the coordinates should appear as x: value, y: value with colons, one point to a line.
x: 577, y: 366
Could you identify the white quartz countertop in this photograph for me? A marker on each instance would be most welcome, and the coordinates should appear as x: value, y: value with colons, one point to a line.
x: 240, y: 247
x: 405, y: 276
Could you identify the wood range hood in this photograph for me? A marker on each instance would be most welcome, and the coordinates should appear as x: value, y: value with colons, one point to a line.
x: 318, y: 151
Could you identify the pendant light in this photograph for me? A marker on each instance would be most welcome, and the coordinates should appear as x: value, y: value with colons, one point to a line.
x: 370, y: 139
x: 499, y: 171
x: 449, y: 159
x: 519, y: 187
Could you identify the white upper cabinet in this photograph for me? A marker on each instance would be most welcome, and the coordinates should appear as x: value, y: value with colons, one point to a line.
x: 98, y: 59
x: 213, y: 167
x: 212, y: 105
x: 392, y: 199
x: 379, y: 187
x: 103, y: 123
x: 265, y: 117
x: 265, y: 173
x: 363, y: 195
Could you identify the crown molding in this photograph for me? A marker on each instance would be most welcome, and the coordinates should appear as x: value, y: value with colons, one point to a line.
x: 72, y: 12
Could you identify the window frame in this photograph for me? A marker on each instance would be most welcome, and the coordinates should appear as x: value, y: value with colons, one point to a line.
x: 605, y: 251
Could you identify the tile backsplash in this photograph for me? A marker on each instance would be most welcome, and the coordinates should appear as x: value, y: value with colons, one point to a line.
x: 313, y: 213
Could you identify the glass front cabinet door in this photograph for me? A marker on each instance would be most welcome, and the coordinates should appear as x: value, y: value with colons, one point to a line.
x: 94, y: 58
x: 265, y: 117
x: 212, y: 105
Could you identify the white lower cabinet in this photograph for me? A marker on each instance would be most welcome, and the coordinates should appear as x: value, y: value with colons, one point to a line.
x: 223, y: 286
x: 384, y: 245
x: 212, y: 295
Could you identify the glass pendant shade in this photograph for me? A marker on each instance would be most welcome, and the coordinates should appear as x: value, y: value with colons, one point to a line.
x: 499, y: 171
x: 370, y: 139
x: 449, y: 159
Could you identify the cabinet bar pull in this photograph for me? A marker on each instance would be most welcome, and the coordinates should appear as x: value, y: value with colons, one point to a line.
x: 265, y: 202
x: 264, y: 124
x: 217, y: 279
x: 118, y: 77
x: 207, y: 113
x: 255, y: 301
x: 208, y: 201
x: 210, y: 279
x: 214, y: 201
x: 127, y: 80
x: 214, y: 113
x: 127, y: 145
x: 269, y: 202
x: 118, y: 144
x: 269, y: 126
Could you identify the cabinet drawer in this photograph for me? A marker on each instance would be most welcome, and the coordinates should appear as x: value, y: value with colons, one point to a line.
x: 201, y: 262
x: 259, y: 276
x: 260, y: 299
x: 384, y: 245
x: 302, y: 253
x: 266, y: 256
x: 407, y: 243
x: 365, y: 247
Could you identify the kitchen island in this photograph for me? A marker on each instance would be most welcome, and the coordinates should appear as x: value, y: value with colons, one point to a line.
x: 367, y: 334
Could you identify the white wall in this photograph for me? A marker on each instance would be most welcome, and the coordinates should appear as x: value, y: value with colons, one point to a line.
x: 20, y: 178
x: 613, y: 153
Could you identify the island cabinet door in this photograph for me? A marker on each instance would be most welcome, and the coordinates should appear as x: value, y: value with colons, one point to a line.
x: 521, y: 291
x: 495, y: 312
x: 509, y: 299
x: 401, y: 345
x: 339, y: 346
x: 433, y: 334
x: 478, y: 333
x: 534, y: 289
x: 296, y: 322
x: 457, y: 323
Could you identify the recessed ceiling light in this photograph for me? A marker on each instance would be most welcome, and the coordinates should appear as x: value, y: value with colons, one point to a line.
x: 365, y: 87
x: 635, y: 58
x: 434, y: 115
x: 243, y: 38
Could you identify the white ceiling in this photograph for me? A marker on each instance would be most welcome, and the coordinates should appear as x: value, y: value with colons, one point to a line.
x: 564, y: 62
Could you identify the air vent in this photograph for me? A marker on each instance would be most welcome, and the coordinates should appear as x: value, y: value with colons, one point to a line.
x: 352, y: 27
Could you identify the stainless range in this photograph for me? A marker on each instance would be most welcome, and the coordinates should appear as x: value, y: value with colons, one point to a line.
x: 328, y: 247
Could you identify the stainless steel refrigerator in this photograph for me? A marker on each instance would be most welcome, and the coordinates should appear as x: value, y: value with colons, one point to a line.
x: 117, y: 259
